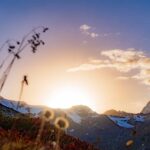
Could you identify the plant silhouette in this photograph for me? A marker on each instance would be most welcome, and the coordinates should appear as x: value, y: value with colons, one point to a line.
x: 15, y: 48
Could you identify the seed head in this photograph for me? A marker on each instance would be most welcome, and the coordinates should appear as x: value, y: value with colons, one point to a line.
x: 61, y: 123
x: 48, y: 114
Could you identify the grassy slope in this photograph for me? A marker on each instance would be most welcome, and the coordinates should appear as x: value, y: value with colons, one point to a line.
x: 21, y: 133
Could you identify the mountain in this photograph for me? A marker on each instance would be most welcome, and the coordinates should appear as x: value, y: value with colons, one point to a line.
x: 6, y: 111
x: 146, y: 109
x: 111, y: 131
x: 23, y: 107
x: 117, y: 113
x: 107, y: 132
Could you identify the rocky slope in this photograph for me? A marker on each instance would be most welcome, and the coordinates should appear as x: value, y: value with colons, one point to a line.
x: 146, y: 109
x: 6, y: 111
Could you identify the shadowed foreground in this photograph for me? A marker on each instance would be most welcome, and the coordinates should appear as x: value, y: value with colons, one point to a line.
x: 21, y: 134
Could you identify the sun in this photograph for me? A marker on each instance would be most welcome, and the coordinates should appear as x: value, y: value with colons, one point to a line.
x: 65, y: 97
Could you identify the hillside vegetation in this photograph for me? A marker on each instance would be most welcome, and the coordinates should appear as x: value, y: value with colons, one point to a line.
x: 21, y: 133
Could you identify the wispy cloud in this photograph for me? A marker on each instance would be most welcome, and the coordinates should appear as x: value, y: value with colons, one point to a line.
x: 85, y: 27
x: 109, y: 34
x: 90, y: 32
x: 122, y: 78
x: 93, y: 35
x: 121, y: 60
x: 87, y: 30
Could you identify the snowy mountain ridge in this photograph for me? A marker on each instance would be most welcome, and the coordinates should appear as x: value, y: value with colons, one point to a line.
x: 124, y: 121
x: 72, y: 113
x: 88, y: 125
x: 23, y: 107
x: 77, y: 113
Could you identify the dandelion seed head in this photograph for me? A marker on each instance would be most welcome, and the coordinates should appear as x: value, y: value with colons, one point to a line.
x: 61, y: 123
x: 48, y: 114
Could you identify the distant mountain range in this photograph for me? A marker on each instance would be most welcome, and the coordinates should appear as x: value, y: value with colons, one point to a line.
x: 109, y: 131
x: 117, y: 113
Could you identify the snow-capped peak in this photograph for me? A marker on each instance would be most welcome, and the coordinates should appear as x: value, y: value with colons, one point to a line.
x: 139, y: 118
x: 75, y: 117
x: 121, y: 121
x: 23, y: 107
x: 125, y: 121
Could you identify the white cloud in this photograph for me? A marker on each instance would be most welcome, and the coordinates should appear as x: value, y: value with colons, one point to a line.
x: 121, y: 60
x: 86, y: 29
x: 94, y: 35
x: 143, y: 76
x: 89, y: 31
x: 128, y: 55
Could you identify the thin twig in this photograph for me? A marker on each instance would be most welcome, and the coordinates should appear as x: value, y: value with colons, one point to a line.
x: 6, y: 73
x: 20, y: 94
x: 39, y: 133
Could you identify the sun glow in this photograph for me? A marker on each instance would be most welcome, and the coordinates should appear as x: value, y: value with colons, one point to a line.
x: 66, y: 97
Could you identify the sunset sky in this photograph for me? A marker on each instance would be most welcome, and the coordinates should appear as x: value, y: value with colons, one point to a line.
x: 97, y: 52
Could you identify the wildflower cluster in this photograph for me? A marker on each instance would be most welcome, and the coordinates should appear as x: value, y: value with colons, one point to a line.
x: 24, y: 133
x: 59, y: 122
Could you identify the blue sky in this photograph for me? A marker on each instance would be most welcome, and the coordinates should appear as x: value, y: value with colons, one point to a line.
x: 81, y: 30
x: 129, y: 18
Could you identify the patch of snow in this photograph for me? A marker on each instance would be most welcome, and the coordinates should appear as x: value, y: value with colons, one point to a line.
x: 139, y: 118
x: 121, y: 121
x: 24, y: 109
x: 124, y: 124
x: 7, y: 103
x: 75, y: 117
